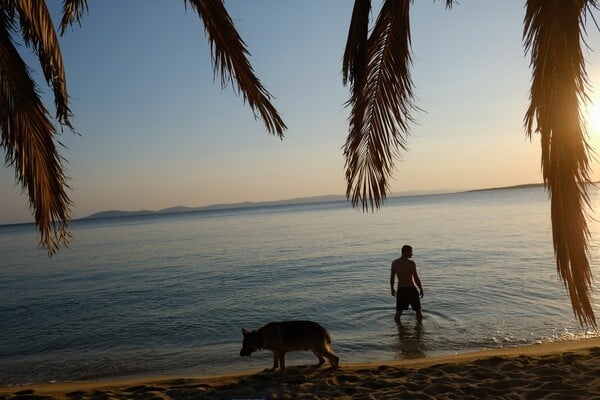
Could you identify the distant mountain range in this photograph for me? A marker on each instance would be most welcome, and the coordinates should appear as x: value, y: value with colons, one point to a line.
x: 249, y: 204
x: 230, y: 206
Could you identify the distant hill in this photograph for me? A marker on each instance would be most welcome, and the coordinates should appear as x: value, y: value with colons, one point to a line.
x: 525, y: 186
x: 294, y: 201
x: 118, y: 213
x: 229, y: 206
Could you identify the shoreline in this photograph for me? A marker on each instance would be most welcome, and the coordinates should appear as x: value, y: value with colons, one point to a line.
x: 569, y: 367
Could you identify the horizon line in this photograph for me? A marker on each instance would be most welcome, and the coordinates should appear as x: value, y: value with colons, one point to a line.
x: 290, y: 201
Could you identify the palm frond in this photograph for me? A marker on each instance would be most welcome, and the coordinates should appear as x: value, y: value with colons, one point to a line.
x: 552, y: 34
x: 355, y: 55
x: 27, y: 136
x: 381, y: 107
x: 230, y: 59
x: 38, y: 32
x: 72, y: 12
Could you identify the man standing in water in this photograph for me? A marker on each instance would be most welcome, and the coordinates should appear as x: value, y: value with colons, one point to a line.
x: 406, y: 271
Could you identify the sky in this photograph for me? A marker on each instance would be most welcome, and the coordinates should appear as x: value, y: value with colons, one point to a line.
x: 155, y: 129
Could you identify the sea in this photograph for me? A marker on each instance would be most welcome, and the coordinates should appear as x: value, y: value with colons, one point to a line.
x: 168, y: 295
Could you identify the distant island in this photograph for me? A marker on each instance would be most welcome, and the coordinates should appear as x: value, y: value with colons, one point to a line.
x: 294, y: 201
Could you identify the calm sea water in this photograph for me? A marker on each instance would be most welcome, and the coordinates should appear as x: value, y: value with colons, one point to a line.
x: 167, y: 295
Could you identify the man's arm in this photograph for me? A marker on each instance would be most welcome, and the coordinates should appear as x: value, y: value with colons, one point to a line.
x: 392, y: 279
x: 417, y: 280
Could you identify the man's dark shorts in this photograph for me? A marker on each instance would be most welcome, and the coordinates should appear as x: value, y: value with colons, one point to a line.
x: 406, y: 296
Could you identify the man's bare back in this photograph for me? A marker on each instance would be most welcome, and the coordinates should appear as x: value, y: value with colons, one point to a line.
x: 404, y: 269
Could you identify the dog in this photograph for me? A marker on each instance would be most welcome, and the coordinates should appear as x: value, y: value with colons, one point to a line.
x: 286, y: 336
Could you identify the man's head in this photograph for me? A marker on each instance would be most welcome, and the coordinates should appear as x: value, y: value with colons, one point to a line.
x: 407, y: 250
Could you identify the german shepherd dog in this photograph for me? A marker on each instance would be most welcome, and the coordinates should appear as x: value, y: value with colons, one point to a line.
x: 283, y: 337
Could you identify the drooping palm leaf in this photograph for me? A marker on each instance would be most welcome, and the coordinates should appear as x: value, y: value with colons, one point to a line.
x: 72, y: 12
x: 355, y: 55
x: 553, y: 34
x: 382, y: 103
x: 230, y: 59
x: 27, y: 136
x: 38, y: 32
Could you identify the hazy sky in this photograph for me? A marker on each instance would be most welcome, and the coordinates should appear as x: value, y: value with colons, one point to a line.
x: 156, y: 130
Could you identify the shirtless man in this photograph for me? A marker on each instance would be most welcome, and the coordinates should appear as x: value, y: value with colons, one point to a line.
x: 406, y: 271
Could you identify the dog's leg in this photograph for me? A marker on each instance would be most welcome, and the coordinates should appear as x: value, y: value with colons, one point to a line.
x: 325, y: 351
x: 281, y: 362
x: 275, y: 361
x: 334, y: 361
x: 321, y: 359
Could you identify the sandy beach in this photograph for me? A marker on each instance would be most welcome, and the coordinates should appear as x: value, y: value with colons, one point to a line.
x: 559, y: 370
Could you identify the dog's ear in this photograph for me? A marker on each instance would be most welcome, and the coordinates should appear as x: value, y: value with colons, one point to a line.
x: 245, y: 332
